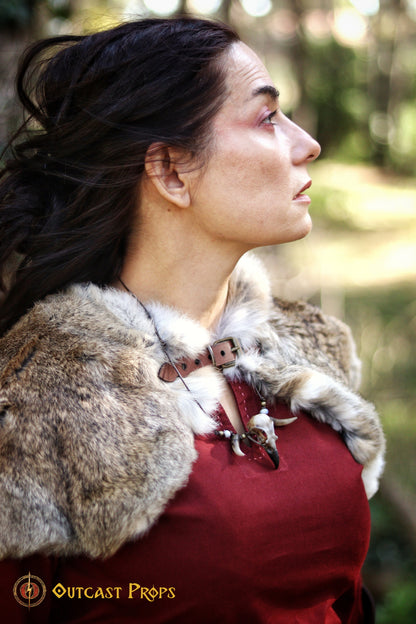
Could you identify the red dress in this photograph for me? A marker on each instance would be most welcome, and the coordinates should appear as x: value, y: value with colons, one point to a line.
x: 242, y: 542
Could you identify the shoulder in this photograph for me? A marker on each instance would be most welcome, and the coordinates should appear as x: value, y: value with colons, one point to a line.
x: 71, y: 329
x: 323, y: 340
x: 296, y: 331
x: 86, y: 440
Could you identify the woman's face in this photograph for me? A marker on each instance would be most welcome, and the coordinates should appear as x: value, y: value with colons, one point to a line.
x: 249, y: 192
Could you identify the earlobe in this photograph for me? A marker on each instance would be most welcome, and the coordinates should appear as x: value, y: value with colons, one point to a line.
x: 165, y: 168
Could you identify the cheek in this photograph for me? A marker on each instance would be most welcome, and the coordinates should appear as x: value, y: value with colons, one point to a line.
x: 252, y: 170
x: 247, y: 181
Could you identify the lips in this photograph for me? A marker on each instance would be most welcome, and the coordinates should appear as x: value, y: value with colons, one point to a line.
x: 303, y: 189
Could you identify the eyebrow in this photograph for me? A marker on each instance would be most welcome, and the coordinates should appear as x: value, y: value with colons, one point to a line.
x: 266, y: 90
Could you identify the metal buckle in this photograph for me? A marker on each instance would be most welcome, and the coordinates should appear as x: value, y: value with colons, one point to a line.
x: 236, y: 347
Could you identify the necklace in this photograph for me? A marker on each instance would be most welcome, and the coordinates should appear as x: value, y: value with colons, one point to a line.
x: 221, y: 354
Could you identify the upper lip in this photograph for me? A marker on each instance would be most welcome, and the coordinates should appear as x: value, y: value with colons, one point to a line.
x: 304, y: 188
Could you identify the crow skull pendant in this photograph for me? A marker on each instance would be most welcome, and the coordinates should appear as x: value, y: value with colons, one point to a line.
x: 260, y: 430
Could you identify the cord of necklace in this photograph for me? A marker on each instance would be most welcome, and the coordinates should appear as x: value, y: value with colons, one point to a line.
x: 162, y: 345
x: 224, y: 433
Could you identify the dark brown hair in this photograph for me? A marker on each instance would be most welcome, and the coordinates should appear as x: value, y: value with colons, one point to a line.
x: 95, y: 104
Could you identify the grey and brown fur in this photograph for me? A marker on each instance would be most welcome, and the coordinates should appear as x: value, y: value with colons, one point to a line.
x: 93, y: 445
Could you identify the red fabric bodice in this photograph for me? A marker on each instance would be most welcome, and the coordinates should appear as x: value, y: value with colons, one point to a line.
x: 241, y: 542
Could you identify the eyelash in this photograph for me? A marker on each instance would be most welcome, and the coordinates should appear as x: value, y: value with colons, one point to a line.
x: 269, y: 118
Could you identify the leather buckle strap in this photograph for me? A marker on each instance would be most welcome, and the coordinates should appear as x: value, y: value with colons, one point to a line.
x: 221, y: 354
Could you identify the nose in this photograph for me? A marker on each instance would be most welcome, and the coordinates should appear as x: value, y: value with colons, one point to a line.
x: 314, y: 148
x: 305, y: 149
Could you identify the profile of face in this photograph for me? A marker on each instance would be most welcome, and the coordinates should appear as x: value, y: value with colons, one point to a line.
x: 250, y: 191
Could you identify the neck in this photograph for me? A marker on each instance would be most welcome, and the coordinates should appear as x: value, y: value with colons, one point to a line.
x: 175, y: 260
x: 193, y: 285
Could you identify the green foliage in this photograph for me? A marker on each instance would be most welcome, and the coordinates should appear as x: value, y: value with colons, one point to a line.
x: 16, y: 13
x: 404, y: 144
x: 60, y: 8
x: 390, y: 563
x: 389, y: 551
x: 392, y: 312
x: 333, y: 87
x: 384, y: 321
x: 400, y: 604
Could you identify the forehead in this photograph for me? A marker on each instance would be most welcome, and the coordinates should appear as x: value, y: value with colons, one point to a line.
x: 244, y: 72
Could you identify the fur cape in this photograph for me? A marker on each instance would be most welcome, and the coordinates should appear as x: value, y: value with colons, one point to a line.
x: 93, y: 444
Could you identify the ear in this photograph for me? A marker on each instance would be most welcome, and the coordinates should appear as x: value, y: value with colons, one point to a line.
x: 166, y: 168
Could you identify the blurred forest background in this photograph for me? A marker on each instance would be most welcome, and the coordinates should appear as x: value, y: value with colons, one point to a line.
x: 346, y: 70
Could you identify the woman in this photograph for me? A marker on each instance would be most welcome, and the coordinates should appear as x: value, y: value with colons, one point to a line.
x: 144, y: 375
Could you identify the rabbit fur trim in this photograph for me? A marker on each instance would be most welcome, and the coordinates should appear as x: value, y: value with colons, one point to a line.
x: 93, y: 444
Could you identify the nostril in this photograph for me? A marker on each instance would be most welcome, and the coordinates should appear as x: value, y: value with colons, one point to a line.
x: 315, y: 151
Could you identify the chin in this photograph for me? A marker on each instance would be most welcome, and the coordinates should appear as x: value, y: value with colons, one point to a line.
x: 304, y: 227
x: 279, y: 237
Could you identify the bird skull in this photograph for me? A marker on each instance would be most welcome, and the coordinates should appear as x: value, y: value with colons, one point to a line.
x: 260, y: 429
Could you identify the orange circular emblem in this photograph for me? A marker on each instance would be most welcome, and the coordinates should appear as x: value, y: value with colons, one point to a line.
x: 29, y: 590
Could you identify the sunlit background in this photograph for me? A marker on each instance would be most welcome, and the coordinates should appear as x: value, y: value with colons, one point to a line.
x: 346, y: 70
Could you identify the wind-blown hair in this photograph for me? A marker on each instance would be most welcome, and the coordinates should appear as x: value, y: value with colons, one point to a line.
x: 95, y: 104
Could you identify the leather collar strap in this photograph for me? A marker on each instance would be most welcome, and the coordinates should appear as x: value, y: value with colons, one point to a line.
x: 221, y: 354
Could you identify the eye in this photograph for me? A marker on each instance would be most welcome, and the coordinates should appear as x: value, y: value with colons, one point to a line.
x: 268, y: 121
